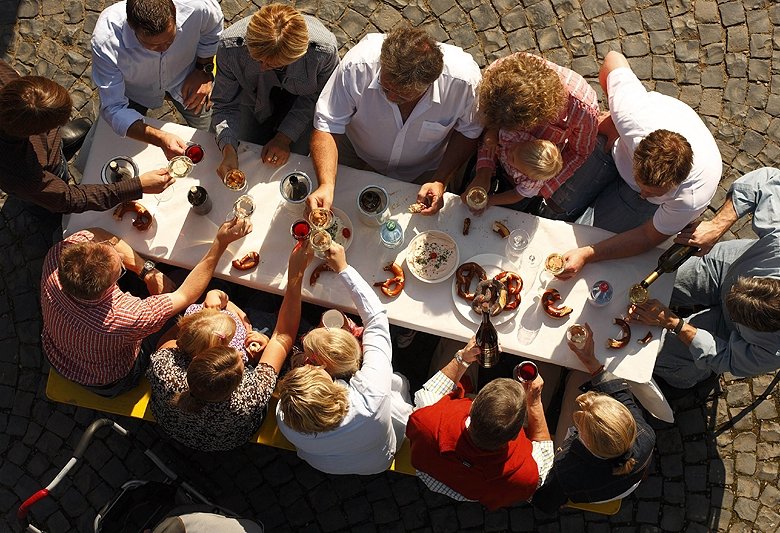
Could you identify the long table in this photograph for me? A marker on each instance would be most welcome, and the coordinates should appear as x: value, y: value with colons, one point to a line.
x: 180, y: 237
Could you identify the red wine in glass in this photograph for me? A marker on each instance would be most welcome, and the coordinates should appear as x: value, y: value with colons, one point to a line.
x: 525, y: 371
x: 300, y: 230
x: 194, y: 152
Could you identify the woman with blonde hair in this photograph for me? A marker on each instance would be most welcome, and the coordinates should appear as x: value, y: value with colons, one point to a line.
x: 604, y: 443
x: 272, y: 68
x: 344, y: 409
x: 203, y: 395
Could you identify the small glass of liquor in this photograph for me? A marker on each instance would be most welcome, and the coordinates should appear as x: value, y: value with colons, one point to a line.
x: 577, y: 335
x: 525, y: 371
x: 477, y: 198
x: 235, y: 180
x: 320, y: 240
x: 300, y: 229
x: 180, y: 166
x: 553, y: 265
x: 321, y: 218
x: 195, y: 152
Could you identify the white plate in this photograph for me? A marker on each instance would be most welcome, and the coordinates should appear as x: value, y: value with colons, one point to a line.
x: 493, y: 264
x: 345, y: 223
x: 447, y: 269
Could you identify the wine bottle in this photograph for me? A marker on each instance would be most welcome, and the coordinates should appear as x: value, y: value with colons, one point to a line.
x: 199, y: 199
x: 670, y: 261
x: 487, y: 341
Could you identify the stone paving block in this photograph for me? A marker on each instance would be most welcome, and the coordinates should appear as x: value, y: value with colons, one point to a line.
x: 737, y: 39
x: 630, y: 22
x: 732, y: 13
x: 747, y: 487
x: 672, y: 518
x: 357, y: 510
x: 521, y: 519
x: 746, y: 509
x: 768, y: 519
x: 414, y: 515
x: 696, y: 478
x: 444, y: 520
x: 470, y: 515
x: 647, y: 512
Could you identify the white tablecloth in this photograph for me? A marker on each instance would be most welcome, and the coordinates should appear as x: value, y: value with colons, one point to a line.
x: 181, y: 237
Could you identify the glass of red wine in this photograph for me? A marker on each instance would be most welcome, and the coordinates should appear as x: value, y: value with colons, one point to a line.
x: 525, y: 371
x: 195, y: 152
x: 300, y: 230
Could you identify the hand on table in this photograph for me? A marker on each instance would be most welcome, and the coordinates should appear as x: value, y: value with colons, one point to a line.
x: 322, y: 197
x: 156, y: 181
x: 704, y: 235
x: 196, y: 91
x: 171, y: 145
x: 276, y: 152
x: 432, y: 195
x: 574, y: 261
x: 585, y: 354
x: 653, y: 313
x: 229, y: 161
x: 233, y: 229
x: 336, y: 257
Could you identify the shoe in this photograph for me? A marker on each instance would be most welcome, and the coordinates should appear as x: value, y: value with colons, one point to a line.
x: 404, y: 337
x: 73, y: 134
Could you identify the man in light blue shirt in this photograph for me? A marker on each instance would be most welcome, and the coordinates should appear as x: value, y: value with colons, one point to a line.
x: 143, y: 50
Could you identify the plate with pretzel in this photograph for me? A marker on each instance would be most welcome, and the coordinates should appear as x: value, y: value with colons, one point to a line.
x: 490, y: 278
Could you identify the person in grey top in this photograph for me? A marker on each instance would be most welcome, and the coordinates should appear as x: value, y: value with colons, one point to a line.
x: 271, y: 68
x: 739, y: 283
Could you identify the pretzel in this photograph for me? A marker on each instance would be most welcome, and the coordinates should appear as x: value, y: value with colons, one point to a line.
x: 622, y: 341
x: 549, y: 298
x: 393, y: 286
x: 464, y: 276
x: 143, y: 218
x: 417, y: 207
x: 514, y: 284
x: 247, y: 262
x: 491, y: 292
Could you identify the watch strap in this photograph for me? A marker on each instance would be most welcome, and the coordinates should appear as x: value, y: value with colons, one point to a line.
x: 148, y: 267
x: 459, y: 359
x: 678, y: 328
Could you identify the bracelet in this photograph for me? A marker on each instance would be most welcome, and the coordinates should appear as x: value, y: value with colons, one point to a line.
x: 459, y: 359
x: 678, y: 328
x: 598, y: 370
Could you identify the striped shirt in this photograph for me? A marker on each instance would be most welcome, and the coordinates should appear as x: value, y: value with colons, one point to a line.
x: 95, y: 342
x: 574, y: 133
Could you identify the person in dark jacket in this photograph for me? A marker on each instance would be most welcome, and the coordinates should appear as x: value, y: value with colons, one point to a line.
x: 33, y: 113
x: 606, y: 452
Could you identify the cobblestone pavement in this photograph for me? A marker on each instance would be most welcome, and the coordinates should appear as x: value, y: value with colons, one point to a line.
x: 723, y: 58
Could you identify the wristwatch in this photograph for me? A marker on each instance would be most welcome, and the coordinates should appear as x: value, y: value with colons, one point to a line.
x: 459, y: 359
x: 148, y: 267
x: 678, y: 328
x: 208, y: 68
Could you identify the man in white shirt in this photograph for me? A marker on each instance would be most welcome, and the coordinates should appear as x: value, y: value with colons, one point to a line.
x: 145, y: 49
x: 401, y: 105
x: 655, y: 172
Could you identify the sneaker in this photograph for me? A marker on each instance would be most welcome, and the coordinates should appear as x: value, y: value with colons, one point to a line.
x: 404, y: 337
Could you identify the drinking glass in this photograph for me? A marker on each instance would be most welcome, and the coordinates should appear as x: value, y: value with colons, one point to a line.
x: 477, y: 198
x: 320, y: 240
x: 300, y: 230
x: 553, y: 265
x: 577, y: 335
x: 638, y: 294
x: 243, y: 207
x: 321, y: 218
x: 516, y: 244
x: 195, y: 152
x: 166, y: 195
x: 235, y: 180
x: 525, y: 371
x: 180, y: 166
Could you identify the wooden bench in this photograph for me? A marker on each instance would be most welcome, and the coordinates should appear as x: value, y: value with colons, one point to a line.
x: 135, y: 404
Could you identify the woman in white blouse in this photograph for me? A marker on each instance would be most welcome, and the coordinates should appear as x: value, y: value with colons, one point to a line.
x: 344, y: 410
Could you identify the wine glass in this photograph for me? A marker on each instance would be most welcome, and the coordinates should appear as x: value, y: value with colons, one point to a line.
x: 638, y: 294
x: 577, y: 335
x: 320, y: 240
x: 477, y: 198
x: 300, y: 230
x: 195, y: 152
x: 243, y: 207
x: 553, y: 266
x: 321, y: 218
x: 180, y: 166
x: 235, y: 180
x: 516, y: 244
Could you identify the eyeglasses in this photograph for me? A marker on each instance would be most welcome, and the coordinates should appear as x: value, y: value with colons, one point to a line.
x: 122, y: 268
x: 406, y: 94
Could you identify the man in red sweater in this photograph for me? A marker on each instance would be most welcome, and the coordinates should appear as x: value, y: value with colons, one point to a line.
x: 478, y: 450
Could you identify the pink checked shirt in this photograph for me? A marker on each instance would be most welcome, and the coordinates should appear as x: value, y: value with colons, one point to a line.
x: 95, y: 342
x: 574, y: 133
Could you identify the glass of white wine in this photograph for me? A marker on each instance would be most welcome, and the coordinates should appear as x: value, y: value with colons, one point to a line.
x: 320, y: 240
x: 477, y: 198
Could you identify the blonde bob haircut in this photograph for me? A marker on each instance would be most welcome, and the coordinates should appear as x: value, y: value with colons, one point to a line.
x: 204, y: 329
x: 607, y: 428
x: 539, y: 159
x: 277, y: 34
x: 337, y: 350
x: 310, y: 401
